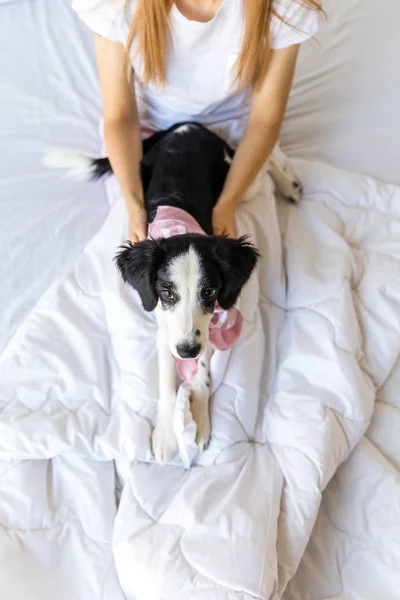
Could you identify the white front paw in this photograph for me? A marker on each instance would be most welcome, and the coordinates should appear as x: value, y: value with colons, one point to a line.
x: 199, y: 405
x: 203, y: 432
x: 297, y: 190
x: 292, y: 188
x: 164, y: 442
x: 200, y: 414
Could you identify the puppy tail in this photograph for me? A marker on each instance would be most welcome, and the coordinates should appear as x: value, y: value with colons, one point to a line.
x: 79, y: 167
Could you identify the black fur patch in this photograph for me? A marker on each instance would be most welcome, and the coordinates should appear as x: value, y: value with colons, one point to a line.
x: 138, y: 265
x: 236, y: 260
x: 186, y: 170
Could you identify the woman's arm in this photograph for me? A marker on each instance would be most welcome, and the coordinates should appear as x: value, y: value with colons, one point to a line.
x: 122, y: 130
x: 261, y: 134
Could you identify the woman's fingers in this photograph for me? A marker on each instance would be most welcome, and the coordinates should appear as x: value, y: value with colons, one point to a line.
x: 227, y: 230
x: 141, y: 232
x: 231, y: 231
x: 137, y: 226
x: 224, y: 221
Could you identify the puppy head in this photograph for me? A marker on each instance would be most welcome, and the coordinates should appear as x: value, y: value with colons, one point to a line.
x: 187, y: 275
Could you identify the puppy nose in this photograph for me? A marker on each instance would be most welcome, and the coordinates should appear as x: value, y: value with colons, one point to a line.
x: 188, y: 350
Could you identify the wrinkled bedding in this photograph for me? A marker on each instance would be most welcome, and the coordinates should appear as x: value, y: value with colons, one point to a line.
x: 290, y: 402
x: 355, y: 546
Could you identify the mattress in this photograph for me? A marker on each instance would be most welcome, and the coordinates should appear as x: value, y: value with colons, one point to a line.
x: 85, y: 512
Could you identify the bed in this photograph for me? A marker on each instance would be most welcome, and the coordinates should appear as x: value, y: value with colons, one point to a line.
x: 297, y: 496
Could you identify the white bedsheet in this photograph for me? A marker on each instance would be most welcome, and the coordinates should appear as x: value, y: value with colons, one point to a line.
x: 59, y: 523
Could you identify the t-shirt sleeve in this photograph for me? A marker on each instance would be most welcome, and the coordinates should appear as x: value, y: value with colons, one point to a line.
x: 298, y: 25
x: 107, y: 18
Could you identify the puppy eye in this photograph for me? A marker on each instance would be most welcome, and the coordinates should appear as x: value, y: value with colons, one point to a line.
x: 209, y: 293
x: 166, y: 295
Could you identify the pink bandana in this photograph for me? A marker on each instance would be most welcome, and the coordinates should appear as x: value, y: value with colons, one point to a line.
x: 225, y: 325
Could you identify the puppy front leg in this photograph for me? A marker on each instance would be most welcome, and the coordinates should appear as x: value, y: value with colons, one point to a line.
x: 164, y: 439
x: 200, y: 396
x: 289, y: 186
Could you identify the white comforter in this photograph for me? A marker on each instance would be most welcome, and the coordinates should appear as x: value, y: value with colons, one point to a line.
x: 85, y: 512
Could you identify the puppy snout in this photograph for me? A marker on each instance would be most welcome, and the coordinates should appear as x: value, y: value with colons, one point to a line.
x: 188, y: 349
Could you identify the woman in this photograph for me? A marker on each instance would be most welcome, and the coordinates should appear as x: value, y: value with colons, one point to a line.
x: 228, y: 64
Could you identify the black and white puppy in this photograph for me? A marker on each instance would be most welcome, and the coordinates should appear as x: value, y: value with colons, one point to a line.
x: 183, y: 277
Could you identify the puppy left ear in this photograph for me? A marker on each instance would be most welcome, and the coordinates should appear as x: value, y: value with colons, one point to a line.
x: 236, y: 260
x: 138, y: 265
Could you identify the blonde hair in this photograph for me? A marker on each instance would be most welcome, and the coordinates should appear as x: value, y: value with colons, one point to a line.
x: 151, y: 32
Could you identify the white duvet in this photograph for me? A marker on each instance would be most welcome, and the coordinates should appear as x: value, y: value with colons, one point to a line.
x: 85, y: 512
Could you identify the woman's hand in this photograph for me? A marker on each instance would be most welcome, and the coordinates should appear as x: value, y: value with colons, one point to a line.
x: 223, y: 220
x: 137, y: 224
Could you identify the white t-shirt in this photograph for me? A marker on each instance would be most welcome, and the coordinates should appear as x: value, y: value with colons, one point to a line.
x: 200, y: 64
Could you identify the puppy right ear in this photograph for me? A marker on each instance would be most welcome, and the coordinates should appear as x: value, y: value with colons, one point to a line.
x: 138, y: 264
x: 236, y: 259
